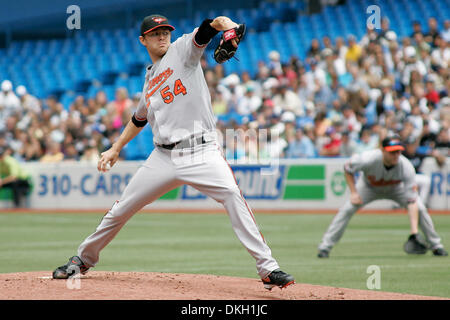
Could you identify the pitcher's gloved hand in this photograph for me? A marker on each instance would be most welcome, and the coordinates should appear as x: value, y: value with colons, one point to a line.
x: 229, y: 43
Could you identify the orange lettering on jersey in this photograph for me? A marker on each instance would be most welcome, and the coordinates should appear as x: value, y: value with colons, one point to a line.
x: 155, y: 83
x: 382, y: 182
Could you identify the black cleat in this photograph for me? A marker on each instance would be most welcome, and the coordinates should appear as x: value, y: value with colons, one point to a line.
x: 440, y: 252
x: 71, y: 268
x: 279, y: 279
x: 323, y: 254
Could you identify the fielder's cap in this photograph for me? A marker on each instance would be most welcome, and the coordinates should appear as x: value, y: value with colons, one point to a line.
x: 392, y: 144
x: 153, y: 22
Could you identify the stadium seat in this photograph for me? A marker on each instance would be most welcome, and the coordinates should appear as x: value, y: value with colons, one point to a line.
x: 140, y: 147
x: 109, y: 91
x: 245, y: 15
x: 87, y: 55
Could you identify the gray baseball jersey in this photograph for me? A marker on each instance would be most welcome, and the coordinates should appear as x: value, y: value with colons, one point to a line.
x: 177, y: 77
x: 379, y: 178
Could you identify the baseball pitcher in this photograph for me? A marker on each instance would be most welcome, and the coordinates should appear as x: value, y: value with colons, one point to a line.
x: 177, y: 104
x: 386, y: 174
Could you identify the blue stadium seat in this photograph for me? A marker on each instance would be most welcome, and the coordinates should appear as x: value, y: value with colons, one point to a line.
x: 121, y: 82
x: 141, y: 146
x: 135, y: 85
x: 299, y: 5
x: 92, y: 91
x: 262, y: 21
x: 110, y: 91
x: 46, y: 65
x: 244, y: 15
x: 147, y: 140
x: 66, y: 99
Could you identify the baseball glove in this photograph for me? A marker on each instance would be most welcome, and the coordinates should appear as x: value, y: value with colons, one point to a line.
x: 415, y: 245
x: 225, y: 50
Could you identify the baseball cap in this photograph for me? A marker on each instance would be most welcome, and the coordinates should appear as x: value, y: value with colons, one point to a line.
x: 153, y: 22
x: 392, y: 144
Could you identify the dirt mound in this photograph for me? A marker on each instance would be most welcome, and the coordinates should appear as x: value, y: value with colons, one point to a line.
x: 99, y: 285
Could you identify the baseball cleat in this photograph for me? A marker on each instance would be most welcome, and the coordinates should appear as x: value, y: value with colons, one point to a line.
x: 323, y: 254
x: 71, y: 268
x: 440, y: 252
x: 279, y: 279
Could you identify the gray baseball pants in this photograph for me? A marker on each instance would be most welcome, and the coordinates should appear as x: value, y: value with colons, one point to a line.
x: 369, y: 194
x: 202, y: 167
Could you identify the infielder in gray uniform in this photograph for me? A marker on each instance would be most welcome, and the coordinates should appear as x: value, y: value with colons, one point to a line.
x: 385, y: 174
x: 177, y: 104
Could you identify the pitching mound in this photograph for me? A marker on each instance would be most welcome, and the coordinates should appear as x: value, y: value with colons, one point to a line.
x: 99, y: 285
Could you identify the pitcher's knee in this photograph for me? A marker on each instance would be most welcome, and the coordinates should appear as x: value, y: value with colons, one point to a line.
x: 111, y: 219
x: 118, y: 213
x: 229, y: 194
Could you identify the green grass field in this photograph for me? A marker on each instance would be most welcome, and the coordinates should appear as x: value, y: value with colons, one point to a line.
x: 205, y: 243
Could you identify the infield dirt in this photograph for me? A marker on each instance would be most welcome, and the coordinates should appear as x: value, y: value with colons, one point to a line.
x: 101, y: 285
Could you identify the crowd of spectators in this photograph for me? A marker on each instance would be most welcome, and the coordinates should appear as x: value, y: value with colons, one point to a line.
x: 343, y: 98
x: 43, y: 130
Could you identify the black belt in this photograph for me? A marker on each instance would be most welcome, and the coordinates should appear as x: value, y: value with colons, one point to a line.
x: 186, y: 143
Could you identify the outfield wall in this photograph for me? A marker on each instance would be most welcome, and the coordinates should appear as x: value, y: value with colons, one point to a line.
x: 289, y: 184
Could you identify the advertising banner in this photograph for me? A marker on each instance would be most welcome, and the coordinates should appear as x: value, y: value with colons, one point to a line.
x: 291, y: 184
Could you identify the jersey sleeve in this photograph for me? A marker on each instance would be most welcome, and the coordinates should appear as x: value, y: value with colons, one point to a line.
x: 188, y: 50
x: 355, y: 164
x: 141, y: 110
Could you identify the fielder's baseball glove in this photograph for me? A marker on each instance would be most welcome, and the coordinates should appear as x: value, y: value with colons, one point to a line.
x: 225, y: 50
x: 415, y: 245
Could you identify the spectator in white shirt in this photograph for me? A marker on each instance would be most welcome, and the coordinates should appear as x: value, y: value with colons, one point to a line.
x: 446, y: 32
x: 9, y: 103
x: 441, y: 55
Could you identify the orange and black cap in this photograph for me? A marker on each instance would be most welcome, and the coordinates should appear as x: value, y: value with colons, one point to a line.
x: 391, y: 144
x: 153, y: 22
